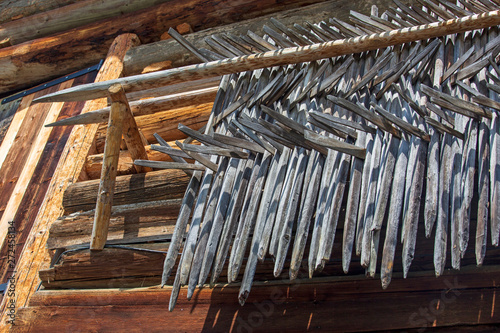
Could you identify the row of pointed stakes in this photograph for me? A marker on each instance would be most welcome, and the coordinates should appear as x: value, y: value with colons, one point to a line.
x: 283, y: 144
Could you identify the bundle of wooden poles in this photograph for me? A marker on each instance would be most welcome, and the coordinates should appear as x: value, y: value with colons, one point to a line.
x: 376, y: 133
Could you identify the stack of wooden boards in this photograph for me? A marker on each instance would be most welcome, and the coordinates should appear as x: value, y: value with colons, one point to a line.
x: 396, y: 136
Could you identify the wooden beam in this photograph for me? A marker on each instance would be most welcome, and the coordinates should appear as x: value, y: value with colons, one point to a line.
x: 169, y: 50
x: 145, y: 107
x: 93, y: 164
x: 40, y: 60
x: 286, y: 56
x: 165, y: 123
x: 25, y: 171
x: 34, y: 254
x: 134, y: 223
x: 358, y: 304
x: 10, y: 11
x: 33, y: 196
x: 129, y: 189
x: 105, y: 194
x: 68, y: 17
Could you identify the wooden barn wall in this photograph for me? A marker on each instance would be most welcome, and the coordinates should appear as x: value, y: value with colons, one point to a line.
x: 29, y: 156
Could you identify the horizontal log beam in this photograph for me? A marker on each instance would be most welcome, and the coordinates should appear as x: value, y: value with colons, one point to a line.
x: 14, y: 10
x: 165, y: 123
x: 93, y: 164
x: 139, y: 58
x: 69, y: 17
x: 133, y: 223
x: 334, y: 303
x: 151, y: 186
x: 286, y: 56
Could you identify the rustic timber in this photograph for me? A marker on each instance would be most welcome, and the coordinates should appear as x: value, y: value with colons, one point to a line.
x: 69, y: 17
x: 93, y: 164
x: 23, y: 209
x: 140, y: 57
x: 23, y: 8
x: 131, y: 135
x: 145, y: 107
x: 215, y: 310
x: 286, y: 56
x: 151, y: 186
x: 116, y: 125
x: 165, y: 123
x: 134, y: 223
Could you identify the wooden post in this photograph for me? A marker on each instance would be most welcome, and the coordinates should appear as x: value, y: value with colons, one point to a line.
x: 109, y: 167
x: 130, y: 131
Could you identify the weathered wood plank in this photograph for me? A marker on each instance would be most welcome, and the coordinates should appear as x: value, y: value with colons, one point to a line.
x: 118, y: 313
x: 53, y: 56
x: 133, y: 223
x: 152, y: 186
x: 105, y: 193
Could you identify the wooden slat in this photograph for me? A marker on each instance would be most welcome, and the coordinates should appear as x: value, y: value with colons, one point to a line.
x: 105, y: 194
x: 165, y: 123
x: 38, y: 141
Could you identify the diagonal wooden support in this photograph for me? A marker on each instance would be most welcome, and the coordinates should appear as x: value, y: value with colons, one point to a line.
x: 130, y: 131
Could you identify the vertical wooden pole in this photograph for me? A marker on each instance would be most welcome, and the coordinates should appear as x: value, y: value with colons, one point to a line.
x: 109, y: 169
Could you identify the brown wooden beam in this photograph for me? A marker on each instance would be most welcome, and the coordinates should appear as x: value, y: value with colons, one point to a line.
x: 68, y: 17
x: 140, y: 222
x: 129, y: 189
x: 467, y: 297
x: 109, y: 166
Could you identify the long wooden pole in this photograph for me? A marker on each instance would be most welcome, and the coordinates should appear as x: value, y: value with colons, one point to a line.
x: 291, y: 55
x: 108, y: 173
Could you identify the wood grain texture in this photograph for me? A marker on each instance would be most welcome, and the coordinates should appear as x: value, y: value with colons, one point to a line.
x: 291, y: 55
x: 169, y: 50
x: 298, y: 307
x: 33, y: 197
x: 68, y: 17
x: 128, y: 224
x: 105, y: 194
x: 151, y: 186
x: 165, y: 123
x: 48, y: 57
x: 20, y: 149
